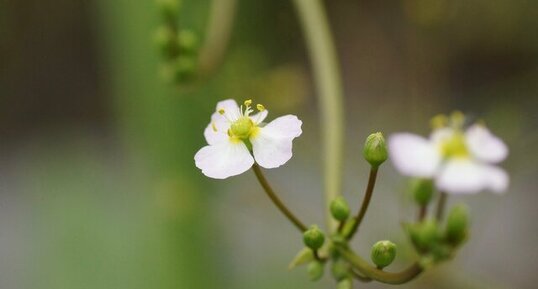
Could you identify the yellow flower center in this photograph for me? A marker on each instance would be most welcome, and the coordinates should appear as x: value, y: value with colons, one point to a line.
x: 454, y: 146
x: 242, y: 127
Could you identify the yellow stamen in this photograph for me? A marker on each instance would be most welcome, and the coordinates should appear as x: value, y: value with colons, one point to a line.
x: 248, y: 102
x: 214, y: 126
x: 457, y: 119
x: 221, y: 111
x: 260, y: 107
x: 439, y: 121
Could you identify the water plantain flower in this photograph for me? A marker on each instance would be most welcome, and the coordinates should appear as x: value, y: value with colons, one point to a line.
x: 459, y: 161
x: 236, y: 138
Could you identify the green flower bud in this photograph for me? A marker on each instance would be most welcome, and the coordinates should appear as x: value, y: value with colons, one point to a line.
x: 340, y: 270
x: 184, y: 68
x: 169, y: 8
x: 165, y: 40
x: 425, y: 235
x: 315, y: 270
x: 345, y: 284
x: 456, y: 224
x: 304, y: 256
x: 422, y: 190
x: 383, y: 253
x: 188, y: 40
x: 340, y: 209
x: 313, y: 238
x: 375, y: 149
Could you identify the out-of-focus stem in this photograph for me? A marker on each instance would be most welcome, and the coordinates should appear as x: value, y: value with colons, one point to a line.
x: 276, y: 200
x: 217, y: 35
x: 441, y: 206
x: 320, y: 45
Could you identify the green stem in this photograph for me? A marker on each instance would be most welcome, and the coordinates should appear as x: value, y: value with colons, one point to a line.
x: 381, y: 276
x: 365, y: 202
x: 323, y: 57
x: 423, y: 210
x: 217, y: 35
x: 276, y: 200
x: 441, y: 206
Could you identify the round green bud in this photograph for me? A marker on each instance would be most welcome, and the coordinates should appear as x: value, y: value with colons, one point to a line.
x: 188, y: 40
x: 340, y: 270
x: 184, y: 68
x: 422, y: 190
x: 315, y: 270
x: 313, y: 238
x: 165, y: 40
x: 383, y: 253
x: 456, y: 224
x: 345, y: 284
x: 169, y: 9
x: 340, y: 209
x: 425, y: 235
x: 375, y: 149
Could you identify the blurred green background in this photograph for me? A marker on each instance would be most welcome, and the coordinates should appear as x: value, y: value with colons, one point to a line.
x: 98, y: 187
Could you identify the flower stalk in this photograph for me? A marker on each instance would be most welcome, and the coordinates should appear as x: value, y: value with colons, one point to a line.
x: 365, y: 202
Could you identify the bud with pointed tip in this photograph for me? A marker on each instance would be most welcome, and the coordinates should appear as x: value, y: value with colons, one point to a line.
x: 304, y: 256
x: 375, y: 149
x: 313, y: 238
x: 340, y: 209
x: 345, y: 284
x: 456, y: 224
x: 383, y: 253
x: 422, y: 190
x: 315, y: 270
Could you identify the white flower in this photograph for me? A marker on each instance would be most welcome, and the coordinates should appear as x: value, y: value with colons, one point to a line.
x: 233, y: 133
x: 460, y: 162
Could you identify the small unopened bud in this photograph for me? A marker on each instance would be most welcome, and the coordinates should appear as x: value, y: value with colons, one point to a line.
x: 375, y: 149
x: 165, y: 40
x: 383, y: 253
x: 345, y: 284
x: 313, y: 238
x: 456, y: 224
x: 315, y: 270
x: 340, y: 270
x: 422, y: 190
x: 169, y: 8
x: 425, y: 235
x: 185, y: 68
x: 340, y: 209
x: 188, y: 40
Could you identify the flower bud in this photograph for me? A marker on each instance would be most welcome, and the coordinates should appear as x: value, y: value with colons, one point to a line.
x: 422, y: 190
x: 304, y: 256
x: 340, y: 209
x: 188, y: 40
x: 169, y: 8
x: 383, y: 253
x: 313, y: 238
x: 165, y: 40
x: 184, y: 68
x: 425, y: 235
x: 456, y: 224
x: 375, y: 149
x: 340, y: 270
x: 345, y: 284
x: 315, y: 270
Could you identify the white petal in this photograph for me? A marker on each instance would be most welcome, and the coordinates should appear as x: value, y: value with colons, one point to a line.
x: 216, y: 132
x: 496, y: 179
x: 441, y: 135
x: 272, y: 145
x: 461, y: 176
x: 224, y: 159
x: 484, y: 145
x: 231, y: 111
x: 259, y: 117
x: 413, y: 155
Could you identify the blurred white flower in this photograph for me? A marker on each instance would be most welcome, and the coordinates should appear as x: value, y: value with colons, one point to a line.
x: 460, y: 162
x: 234, y: 133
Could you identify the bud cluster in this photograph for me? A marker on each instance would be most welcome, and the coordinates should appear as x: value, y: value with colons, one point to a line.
x: 178, y: 47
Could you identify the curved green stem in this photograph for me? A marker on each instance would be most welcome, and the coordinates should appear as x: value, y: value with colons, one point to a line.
x: 320, y: 45
x: 276, y: 200
x: 362, y: 266
x: 365, y: 202
x: 217, y: 35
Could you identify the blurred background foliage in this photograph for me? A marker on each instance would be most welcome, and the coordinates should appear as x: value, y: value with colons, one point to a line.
x: 98, y: 187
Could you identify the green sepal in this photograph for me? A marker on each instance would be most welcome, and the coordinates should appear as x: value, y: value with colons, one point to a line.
x: 304, y: 256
